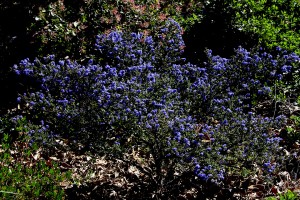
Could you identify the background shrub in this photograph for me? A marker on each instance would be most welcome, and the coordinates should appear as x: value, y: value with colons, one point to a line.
x: 275, y: 22
x: 225, y: 25
x: 69, y: 29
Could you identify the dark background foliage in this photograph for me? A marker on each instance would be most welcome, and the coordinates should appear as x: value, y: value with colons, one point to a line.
x: 15, y: 41
x: 216, y: 31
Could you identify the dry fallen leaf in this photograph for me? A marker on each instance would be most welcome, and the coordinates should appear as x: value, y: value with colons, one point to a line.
x: 54, y: 158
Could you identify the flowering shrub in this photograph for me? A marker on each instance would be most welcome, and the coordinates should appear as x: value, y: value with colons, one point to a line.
x: 142, y: 95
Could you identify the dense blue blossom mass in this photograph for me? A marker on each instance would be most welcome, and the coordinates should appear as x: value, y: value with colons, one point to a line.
x: 139, y: 92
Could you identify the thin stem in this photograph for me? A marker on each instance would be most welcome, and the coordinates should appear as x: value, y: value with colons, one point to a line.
x: 9, y: 192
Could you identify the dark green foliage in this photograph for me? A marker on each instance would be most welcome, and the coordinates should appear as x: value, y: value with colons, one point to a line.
x: 276, y: 22
x: 23, y: 177
x: 226, y: 24
x: 289, y: 195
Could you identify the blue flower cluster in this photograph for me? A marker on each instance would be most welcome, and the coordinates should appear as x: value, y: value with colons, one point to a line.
x: 123, y: 50
x: 246, y: 77
x: 139, y: 92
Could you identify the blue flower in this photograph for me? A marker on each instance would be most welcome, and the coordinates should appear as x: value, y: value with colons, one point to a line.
x: 17, y: 72
x: 202, y: 176
x: 230, y: 94
x: 177, y: 136
x: 286, y: 68
x: 28, y: 71
x: 228, y: 110
x: 245, y: 85
x: 148, y: 126
x: 272, y: 73
x: 186, y: 142
x: 220, y: 176
x: 164, y: 30
x: 149, y: 40
x: 225, y: 122
x: 266, y: 90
